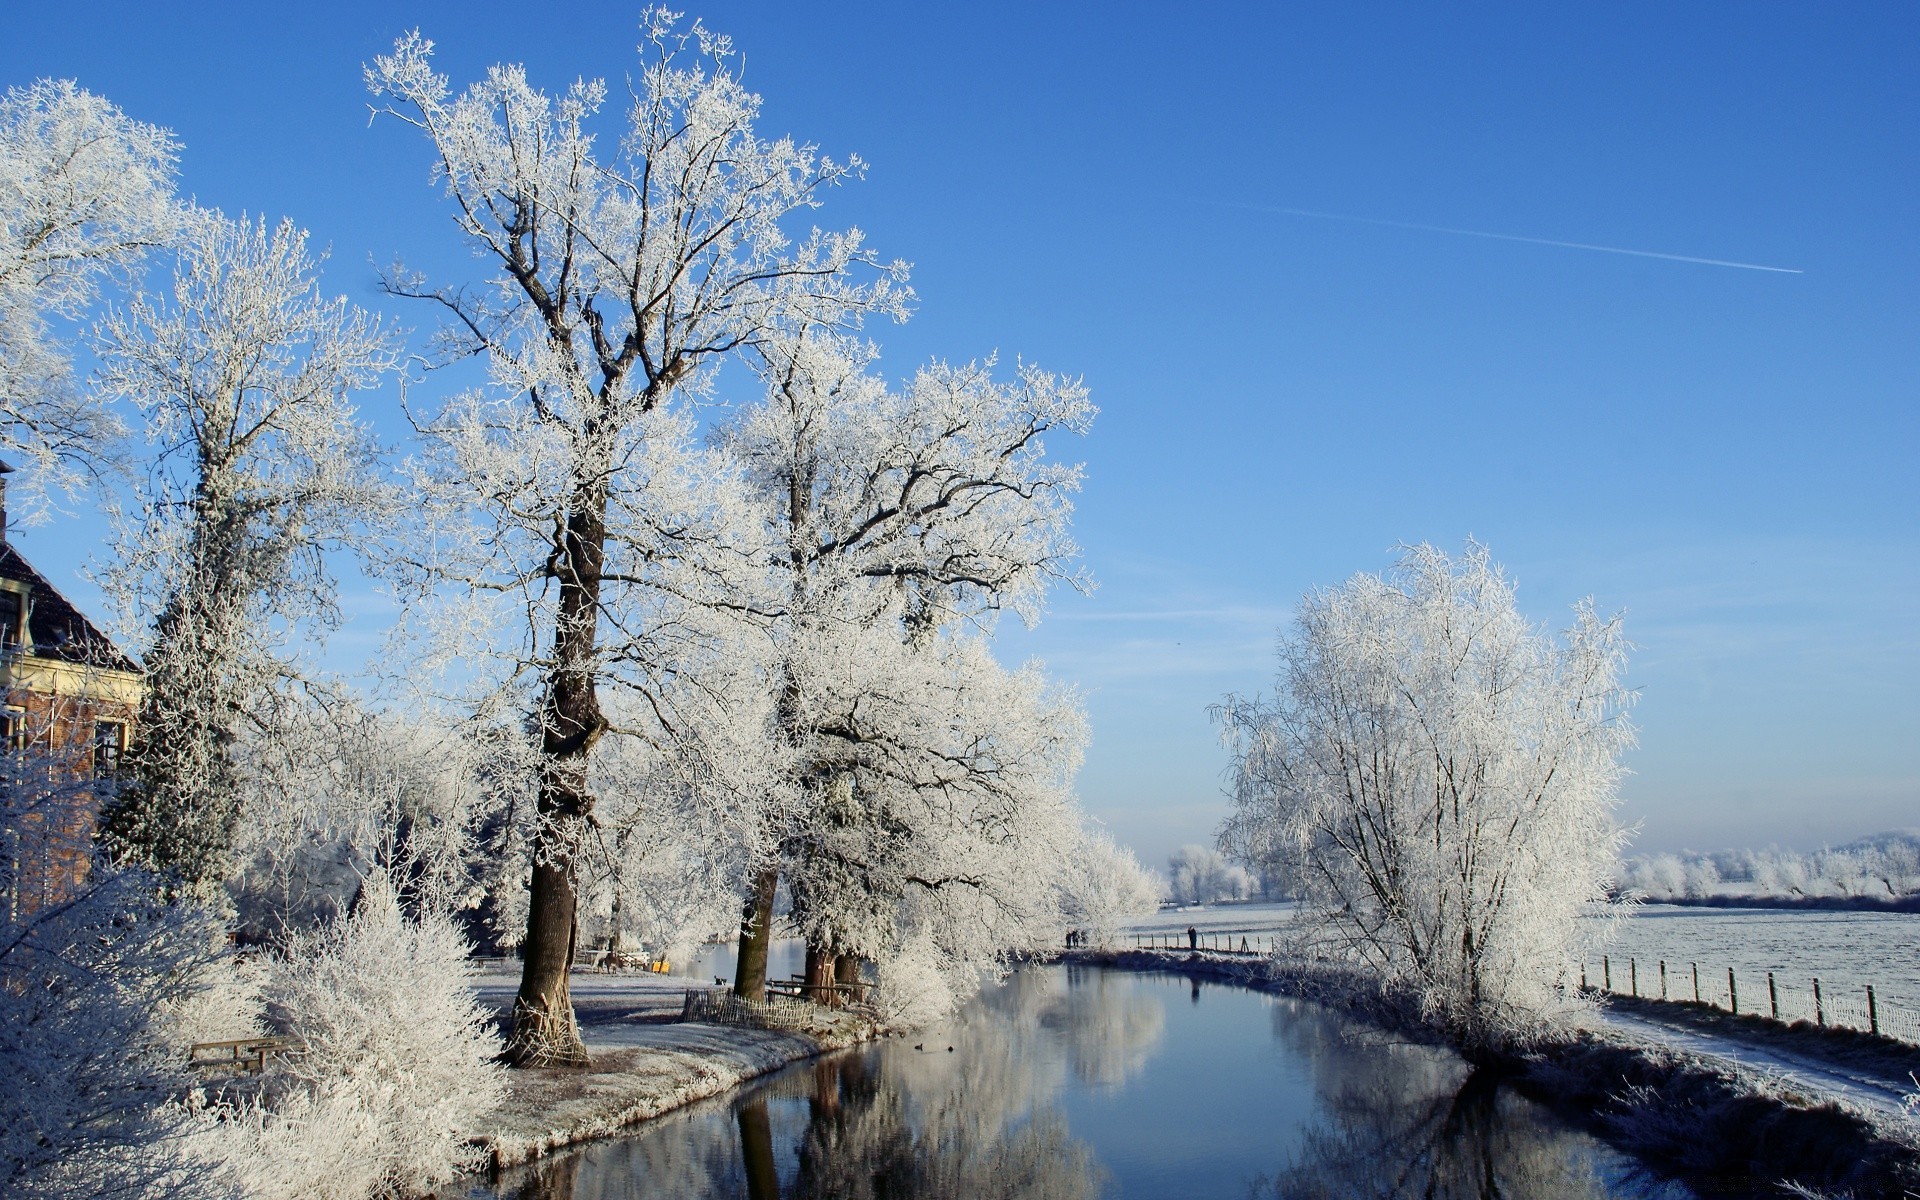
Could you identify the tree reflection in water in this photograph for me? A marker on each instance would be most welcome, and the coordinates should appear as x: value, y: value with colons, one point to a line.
x: 903, y: 1119
x: 910, y: 1119
x: 1411, y: 1120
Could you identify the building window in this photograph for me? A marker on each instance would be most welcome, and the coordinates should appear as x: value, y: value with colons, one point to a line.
x: 109, y: 743
x: 12, y: 609
x: 13, y: 729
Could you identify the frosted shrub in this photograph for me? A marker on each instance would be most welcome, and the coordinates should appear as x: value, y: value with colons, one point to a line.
x: 84, y: 967
x: 398, y: 1059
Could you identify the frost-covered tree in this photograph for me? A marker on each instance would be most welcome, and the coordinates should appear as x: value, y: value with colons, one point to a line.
x: 892, y: 515
x: 259, y: 466
x: 1201, y: 875
x: 622, y: 272
x: 947, y: 812
x: 84, y: 191
x: 339, y: 792
x: 1444, y: 774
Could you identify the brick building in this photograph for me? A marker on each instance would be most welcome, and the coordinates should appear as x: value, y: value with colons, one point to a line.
x: 70, y: 697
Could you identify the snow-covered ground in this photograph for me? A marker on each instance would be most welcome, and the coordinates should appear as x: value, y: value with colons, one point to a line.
x: 1803, y: 1073
x: 1263, y: 917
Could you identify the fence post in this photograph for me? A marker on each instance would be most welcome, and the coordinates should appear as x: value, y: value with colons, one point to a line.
x: 1873, y: 1013
x: 1696, y: 983
x: 1606, y: 972
x: 1773, y: 997
x: 1633, y: 975
x: 1583, y: 977
x: 1663, y: 979
x: 1819, y: 1012
x: 1733, y: 994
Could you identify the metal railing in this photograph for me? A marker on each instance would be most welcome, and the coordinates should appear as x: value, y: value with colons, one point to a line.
x: 1216, y: 943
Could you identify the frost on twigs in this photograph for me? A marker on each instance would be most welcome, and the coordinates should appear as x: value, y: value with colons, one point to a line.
x: 86, y: 1069
x: 84, y: 192
x: 1439, y: 778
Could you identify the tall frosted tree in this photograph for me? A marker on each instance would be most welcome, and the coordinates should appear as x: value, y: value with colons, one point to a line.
x: 621, y: 273
x: 259, y: 465
x: 85, y: 191
x: 1440, y: 778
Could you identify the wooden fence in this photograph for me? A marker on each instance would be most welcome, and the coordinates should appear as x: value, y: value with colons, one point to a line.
x: 1775, y: 997
x: 719, y: 1006
x: 246, y: 1056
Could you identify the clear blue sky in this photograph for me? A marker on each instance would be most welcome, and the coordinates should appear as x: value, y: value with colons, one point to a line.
x: 1727, y: 454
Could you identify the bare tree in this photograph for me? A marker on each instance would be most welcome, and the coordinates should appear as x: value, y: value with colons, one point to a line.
x: 1444, y: 777
x: 84, y: 192
x: 622, y: 276
x: 259, y: 466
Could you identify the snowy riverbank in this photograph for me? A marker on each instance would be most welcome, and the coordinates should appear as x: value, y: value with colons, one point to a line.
x: 1696, y: 1109
x: 645, y: 1062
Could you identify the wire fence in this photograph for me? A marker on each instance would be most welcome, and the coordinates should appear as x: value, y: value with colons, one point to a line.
x: 1769, y: 994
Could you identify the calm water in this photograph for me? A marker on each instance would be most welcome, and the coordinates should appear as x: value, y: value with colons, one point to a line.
x: 1071, y: 1082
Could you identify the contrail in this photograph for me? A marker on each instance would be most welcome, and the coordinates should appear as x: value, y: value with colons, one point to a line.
x: 1513, y: 237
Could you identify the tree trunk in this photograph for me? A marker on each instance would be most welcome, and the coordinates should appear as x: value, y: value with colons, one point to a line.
x: 756, y: 937
x: 846, y: 970
x: 545, y: 1033
x: 820, y: 975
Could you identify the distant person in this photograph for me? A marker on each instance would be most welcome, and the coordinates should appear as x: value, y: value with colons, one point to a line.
x: 1193, y: 938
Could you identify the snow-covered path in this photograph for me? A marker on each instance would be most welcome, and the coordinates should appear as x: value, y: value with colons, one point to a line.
x: 1803, y: 1073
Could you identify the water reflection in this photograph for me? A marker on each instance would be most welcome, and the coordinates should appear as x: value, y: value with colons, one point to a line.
x: 1064, y: 1083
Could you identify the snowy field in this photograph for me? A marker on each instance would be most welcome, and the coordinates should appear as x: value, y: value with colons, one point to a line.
x: 1846, y: 950
x: 1262, y: 918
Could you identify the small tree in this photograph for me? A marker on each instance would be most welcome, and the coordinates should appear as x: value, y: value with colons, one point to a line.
x: 260, y: 466
x: 1444, y: 776
x: 84, y: 192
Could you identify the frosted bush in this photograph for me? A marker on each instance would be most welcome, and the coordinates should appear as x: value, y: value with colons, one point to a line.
x: 398, y: 1059
x: 306, y: 1147
x: 85, y: 965
x: 223, y: 1004
x: 1442, y: 776
x: 1104, y: 885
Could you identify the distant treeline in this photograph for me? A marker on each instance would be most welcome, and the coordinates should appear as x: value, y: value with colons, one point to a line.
x: 1879, y: 872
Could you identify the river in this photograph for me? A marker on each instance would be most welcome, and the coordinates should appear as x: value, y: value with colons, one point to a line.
x: 1072, y: 1082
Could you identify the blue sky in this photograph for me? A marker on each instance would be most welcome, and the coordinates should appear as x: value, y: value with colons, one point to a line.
x: 1726, y: 454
